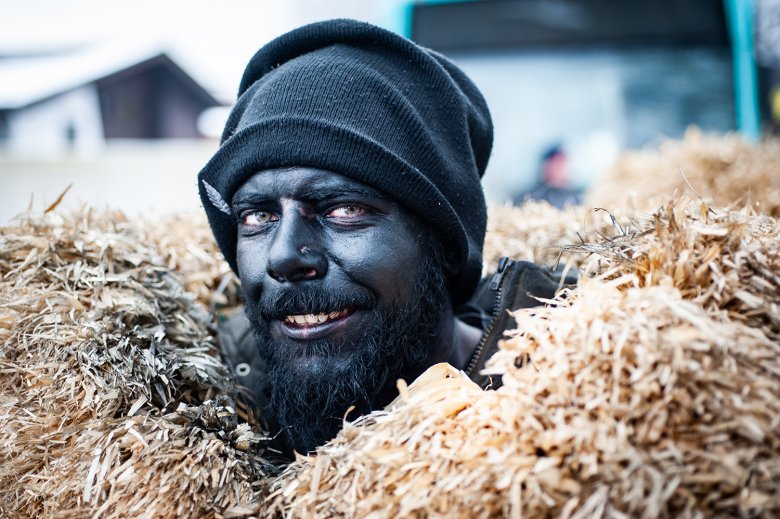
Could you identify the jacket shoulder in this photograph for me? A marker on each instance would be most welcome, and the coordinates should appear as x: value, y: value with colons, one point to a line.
x: 240, y: 351
x: 514, y: 285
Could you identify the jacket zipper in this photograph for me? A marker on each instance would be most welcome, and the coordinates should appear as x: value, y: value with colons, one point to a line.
x: 496, y: 283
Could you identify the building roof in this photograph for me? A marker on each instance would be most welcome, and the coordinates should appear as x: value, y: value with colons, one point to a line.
x: 27, y: 80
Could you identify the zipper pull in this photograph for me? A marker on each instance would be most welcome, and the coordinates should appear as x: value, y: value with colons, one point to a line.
x: 495, y: 281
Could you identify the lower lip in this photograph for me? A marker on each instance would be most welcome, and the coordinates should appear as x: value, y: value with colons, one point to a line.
x: 315, y: 331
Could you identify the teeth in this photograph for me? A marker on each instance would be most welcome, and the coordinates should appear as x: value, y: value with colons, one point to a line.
x: 309, y: 319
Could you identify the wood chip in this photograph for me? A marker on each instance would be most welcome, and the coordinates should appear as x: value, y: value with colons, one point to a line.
x: 100, y: 340
x: 652, y: 389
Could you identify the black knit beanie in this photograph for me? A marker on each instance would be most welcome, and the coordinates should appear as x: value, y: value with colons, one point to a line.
x: 351, y: 98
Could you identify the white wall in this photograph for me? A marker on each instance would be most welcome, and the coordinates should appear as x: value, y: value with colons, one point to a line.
x: 152, y: 177
x: 41, y: 129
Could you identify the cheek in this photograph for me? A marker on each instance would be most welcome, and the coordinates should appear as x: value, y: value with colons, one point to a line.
x: 387, y: 261
x: 251, y: 261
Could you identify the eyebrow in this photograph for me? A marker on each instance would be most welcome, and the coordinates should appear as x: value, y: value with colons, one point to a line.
x: 250, y: 199
x: 324, y: 192
x: 314, y: 193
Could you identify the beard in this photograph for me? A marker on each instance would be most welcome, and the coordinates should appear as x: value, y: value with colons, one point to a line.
x: 315, y: 383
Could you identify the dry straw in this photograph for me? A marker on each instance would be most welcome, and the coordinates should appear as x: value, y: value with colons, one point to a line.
x: 188, y: 248
x: 113, y: 402
x: 722, y: 169
x: 653, y: 390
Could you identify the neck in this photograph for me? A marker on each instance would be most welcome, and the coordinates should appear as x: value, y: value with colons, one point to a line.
x: 455, y: 344
x: 468, y: 338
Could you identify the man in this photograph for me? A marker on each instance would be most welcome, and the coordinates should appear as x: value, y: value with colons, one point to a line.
x: 554, y: 186
x: 346, y: 195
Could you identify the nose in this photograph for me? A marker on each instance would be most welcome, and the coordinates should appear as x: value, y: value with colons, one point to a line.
x: 295, y: 253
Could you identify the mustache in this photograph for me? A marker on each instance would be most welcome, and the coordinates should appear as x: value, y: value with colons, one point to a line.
x: 312, y: 300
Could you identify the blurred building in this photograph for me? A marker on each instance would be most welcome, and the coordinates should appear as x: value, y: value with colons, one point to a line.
x: 768, y: 59
x: 75, y: 101
x: 595, y: 75
x: 117, y: 123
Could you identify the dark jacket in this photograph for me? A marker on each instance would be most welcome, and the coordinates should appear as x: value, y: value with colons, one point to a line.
x: 515, y: 285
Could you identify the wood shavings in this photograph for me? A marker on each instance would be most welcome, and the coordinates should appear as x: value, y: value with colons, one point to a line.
x: 653, y: 390
x: 114, y: 401
x: 637, y: 403
x: 188, y: 248
x: 723, y: 169
x: 650, y: 390
x: 538, y: 232
x: 727, y: 259
x: 531, y: 232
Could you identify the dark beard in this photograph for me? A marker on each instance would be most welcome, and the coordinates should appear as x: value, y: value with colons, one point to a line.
x: 311, y: 404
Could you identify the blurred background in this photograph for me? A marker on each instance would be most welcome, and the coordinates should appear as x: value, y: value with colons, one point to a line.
x: 126, y: 101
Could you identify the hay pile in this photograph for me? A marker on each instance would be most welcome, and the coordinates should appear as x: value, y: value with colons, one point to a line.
x: 537, y: 232
x: 722, y: 169
x: 651, y: 390
x: 187, y: 247
x: 535, y: 237
x: 113, y: 402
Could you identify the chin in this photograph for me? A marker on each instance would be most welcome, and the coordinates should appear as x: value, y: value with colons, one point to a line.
x: 318, y: 364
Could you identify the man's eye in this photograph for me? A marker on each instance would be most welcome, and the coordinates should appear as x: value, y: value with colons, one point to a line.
x: 347, y: 211
x: 258, y: 218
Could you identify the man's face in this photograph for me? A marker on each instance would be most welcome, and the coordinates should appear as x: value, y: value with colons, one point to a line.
x: 556, y: 171
x: 345, y: 291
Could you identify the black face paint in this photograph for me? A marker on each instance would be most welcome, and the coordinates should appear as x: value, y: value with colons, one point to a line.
x: 346, y: 293
x: 311, y: 403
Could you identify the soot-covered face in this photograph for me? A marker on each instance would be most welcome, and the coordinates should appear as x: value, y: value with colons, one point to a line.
x: 345, y: 291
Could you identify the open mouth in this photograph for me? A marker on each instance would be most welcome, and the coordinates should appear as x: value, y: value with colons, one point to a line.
x: 305, y: 320
x: 315, y: 326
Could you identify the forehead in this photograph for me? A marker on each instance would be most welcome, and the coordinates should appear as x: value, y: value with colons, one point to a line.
x: 302, y: 183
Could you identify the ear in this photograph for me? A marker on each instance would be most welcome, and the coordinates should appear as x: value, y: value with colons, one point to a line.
x: 450, y: 262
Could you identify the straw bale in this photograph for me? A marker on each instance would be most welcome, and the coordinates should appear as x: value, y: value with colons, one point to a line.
x: 637, y: 403
x: 650, y: 390
x: 721, y: 259
x: 532, y: 232
x: 188, y: 248
x: 113, y: 400
x: 721, y: 168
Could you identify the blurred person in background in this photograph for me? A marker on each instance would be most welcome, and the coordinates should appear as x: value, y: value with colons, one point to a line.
x: 554, y: 185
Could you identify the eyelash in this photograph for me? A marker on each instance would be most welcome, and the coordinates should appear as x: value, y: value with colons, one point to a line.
x: 247, y: 214
x: 361, y: 209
